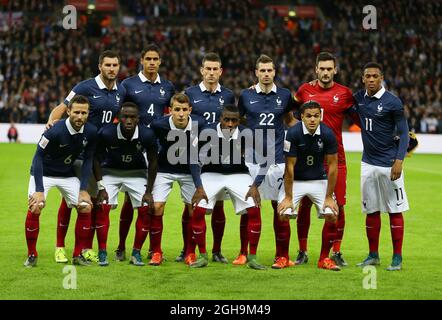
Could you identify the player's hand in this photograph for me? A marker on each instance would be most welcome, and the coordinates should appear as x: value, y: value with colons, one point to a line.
x: 286, y: 204
x: 102, y: 197
x: 37, y: 202
x: 254, y: 193
x: 396, y: 170
x: 313, y: 82
x: 84, y: 200
x: 51, y: 124
x: 331, y: 204
x: 199, y: 195
x: 148, y: 199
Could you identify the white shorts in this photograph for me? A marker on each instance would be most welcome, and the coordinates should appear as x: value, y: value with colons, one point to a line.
x: 379, y: 193
x: 131, y: 181
x: 92, y: 187
x: 69, y: 188
x: 164, y: 182
x: 236, y: 185
x: 315, y: 190
x: 273, y: 181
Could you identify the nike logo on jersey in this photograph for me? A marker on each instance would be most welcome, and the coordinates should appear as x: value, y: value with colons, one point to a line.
x: 252, y: 102
x: 63, y: 145
x: 360, y: 104
x: 398, y: 204
x: 310, y: 95
x: 95, y: 97
x: 137, y: 92
x: 196, y: 101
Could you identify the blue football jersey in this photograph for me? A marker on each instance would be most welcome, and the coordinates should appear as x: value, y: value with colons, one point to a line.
x: 116, y: 152
x: 59, y: 147
x: 209, y: 105
x: 162, y: 127
x: 382, y: 117
x: 152, y: 99
x: 266, y: 112
x: 104, y: 103
x: 310, y: 150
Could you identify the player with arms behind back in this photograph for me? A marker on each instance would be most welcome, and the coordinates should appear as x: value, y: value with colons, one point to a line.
x: 382, y: 180
x: 336, y: 101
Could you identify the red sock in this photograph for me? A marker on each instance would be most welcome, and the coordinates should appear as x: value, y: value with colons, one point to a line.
x: 90, y: 238
x: 254, y: 228
x: 218, y: 225
x: 64, y: 216
x: 340, y: 225
x: 82, y: 232
x: 373, y: 228
x: 199, y: 228
x: 397, y: 231
x: 156, y: 231
x: 186, y: 226
x: 126, y: 217
x: 243, y: 233
x: 102, y: 225
x: 303, y: 223
x: 142, y: 227
x: 282, y: 234
x: 328, y: 237
x: 32, y: 226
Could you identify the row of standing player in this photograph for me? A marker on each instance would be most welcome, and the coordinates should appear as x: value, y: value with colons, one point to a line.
x: 150, y: 92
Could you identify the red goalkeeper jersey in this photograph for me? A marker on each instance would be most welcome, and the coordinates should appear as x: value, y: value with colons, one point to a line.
x: 335, y: 101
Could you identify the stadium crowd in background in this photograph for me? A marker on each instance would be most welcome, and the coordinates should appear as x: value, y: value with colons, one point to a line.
x: 38, y: 65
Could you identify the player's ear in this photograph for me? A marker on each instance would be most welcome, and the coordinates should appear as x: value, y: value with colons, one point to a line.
x: 221, y: 71
x: 159, y: 61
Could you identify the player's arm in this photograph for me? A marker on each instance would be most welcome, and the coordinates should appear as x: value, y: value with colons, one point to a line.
x: 56, y: 114
x: 37, y: 199
x: 289, y: 174
x: 152, y: 169
x: 402, y: 132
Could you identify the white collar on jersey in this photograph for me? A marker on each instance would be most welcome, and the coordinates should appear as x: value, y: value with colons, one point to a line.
x: 173, y: 127
x: 233, y: 136
x: 203, y: 87
x: 258, y: 88
x: 71, y: 129
x: 144, y: 79
x: 378, y: 94
x: 305, y: 130
x: 101, y: 84
x: 120, y: 134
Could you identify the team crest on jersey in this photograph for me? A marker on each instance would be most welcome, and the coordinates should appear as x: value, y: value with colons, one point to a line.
x: 335, y: 98
x: 139, y: 147
x: 320, y: 144
x: 117, y: 97
x: 221, y: 101
x: 84, y: 142
x: 162, y: 92
x: 380, y: 107
x: 279, y: 102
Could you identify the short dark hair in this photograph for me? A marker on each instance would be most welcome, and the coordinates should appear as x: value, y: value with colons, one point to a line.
x: 309, y: 105
x: 264, y: 59
x: 150, y: 47
x: 372, y: 64
x: 180, y: 97
x: 211, y: 56
x: 230, y: 108
x: 78, y: 99
x: 325, y: 56
x: 129, y: 104
x: 108, y: 54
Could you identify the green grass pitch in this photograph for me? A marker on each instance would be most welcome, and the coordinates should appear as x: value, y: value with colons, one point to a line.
x: 420, y: 278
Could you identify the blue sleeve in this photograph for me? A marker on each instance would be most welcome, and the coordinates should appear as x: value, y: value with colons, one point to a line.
x: 231, y: 99
x: 331, y: 145
x: 290, y: 147
x: 242, y: 110
x: 86, y: 168
x: 195, y: 171
x: 402, y: 132
x: 37, y: 165
x: 78, y: 89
